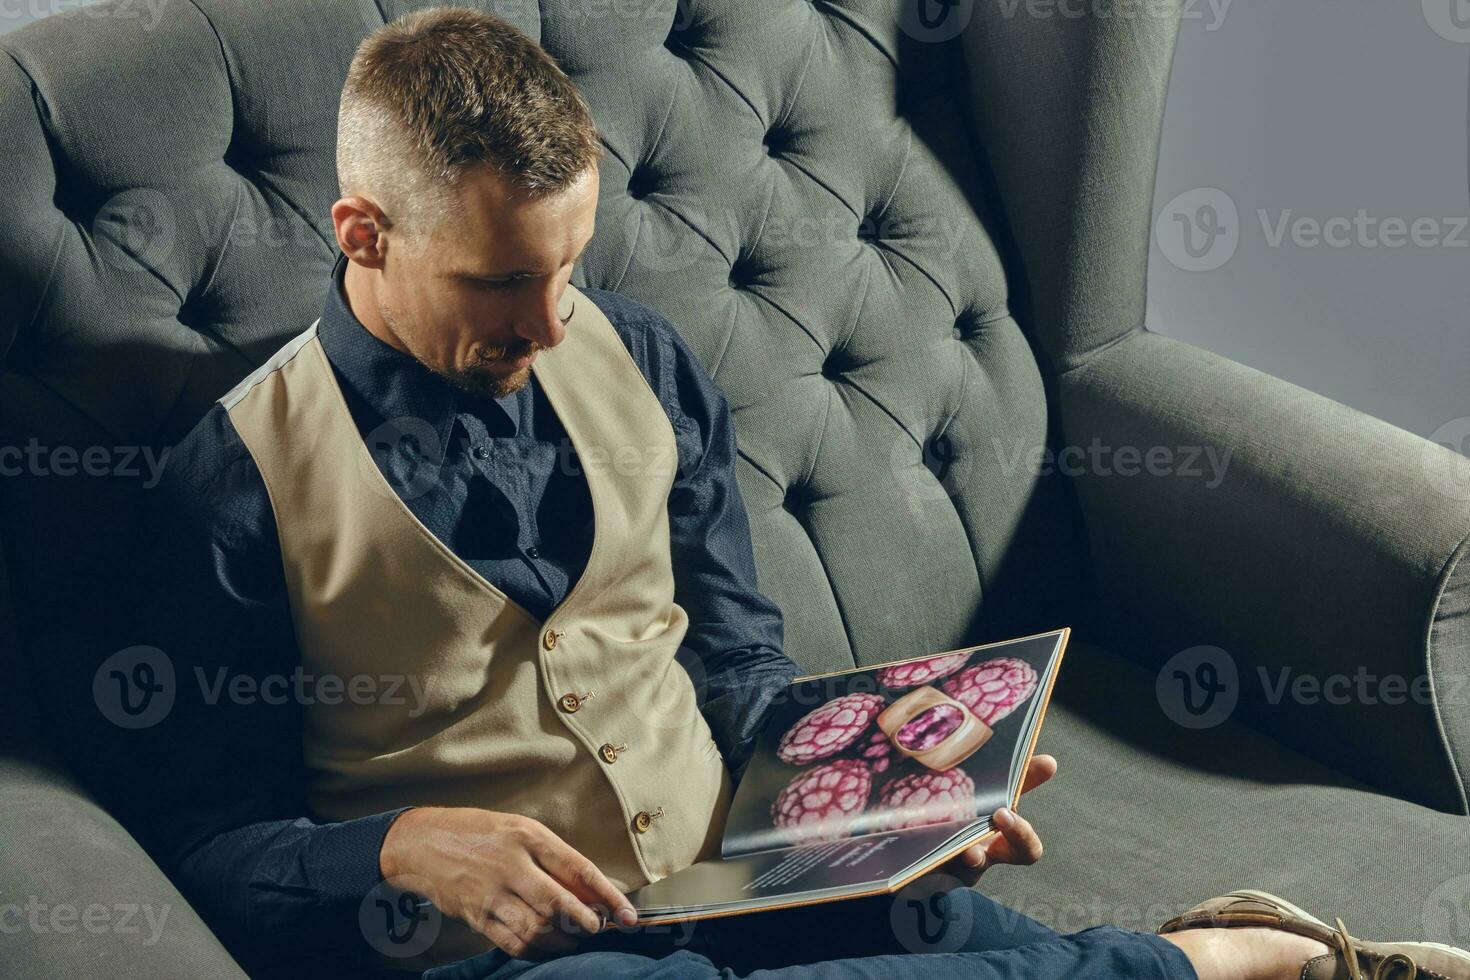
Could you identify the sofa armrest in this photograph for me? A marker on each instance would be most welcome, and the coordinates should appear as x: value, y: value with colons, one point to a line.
x: 79, y: 898
x: 1320, y: 548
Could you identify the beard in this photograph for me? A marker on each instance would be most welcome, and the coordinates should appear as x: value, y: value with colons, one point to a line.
x: 478, y: 377
x: 478, y: 380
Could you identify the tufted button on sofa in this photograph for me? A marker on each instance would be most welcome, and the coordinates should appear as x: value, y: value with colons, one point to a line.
x: 911, y: 250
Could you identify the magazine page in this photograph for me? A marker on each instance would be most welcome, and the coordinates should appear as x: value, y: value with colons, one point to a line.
x: 893, y: 747
x: 770, y: 879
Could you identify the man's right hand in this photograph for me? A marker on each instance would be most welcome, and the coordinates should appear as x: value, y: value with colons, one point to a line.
x: 508, y: 876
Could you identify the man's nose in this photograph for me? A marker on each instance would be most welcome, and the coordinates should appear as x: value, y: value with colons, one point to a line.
x: 542, y: 323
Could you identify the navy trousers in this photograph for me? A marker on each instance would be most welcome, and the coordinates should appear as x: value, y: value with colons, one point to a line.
x: 933, y: 933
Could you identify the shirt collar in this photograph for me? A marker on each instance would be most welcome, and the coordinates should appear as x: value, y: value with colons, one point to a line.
x: 395, y: 384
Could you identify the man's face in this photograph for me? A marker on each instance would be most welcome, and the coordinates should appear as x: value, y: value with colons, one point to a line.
x: 483, y: 294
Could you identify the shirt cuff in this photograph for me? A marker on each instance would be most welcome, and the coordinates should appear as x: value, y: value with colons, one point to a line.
x: 347, y: 857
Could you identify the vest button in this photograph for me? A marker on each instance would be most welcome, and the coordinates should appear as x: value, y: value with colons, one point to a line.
x: 643, y: 821
x: 609, y: 752
x: 570, y: 703
x: 548, y: 640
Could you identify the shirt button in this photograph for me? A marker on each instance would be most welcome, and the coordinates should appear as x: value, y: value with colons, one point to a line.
x: 533, y: 552
x: 570, y: 703
x: 481, y: 452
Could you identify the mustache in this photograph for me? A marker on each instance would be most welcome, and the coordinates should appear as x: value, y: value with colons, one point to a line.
x: 492, y: 355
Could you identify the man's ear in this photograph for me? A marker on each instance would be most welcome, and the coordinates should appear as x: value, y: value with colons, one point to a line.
x: 360, y: 225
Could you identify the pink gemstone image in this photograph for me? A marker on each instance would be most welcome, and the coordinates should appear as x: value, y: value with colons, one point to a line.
x: 929, y: 727
x: 993, y: 689
x: 917, y: 672
x: 877, y: 752
x: 821, y: 803
x: 829, y: 729
x: 923, y: 798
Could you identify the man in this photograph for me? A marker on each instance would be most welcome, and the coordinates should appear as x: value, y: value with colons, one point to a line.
x: 499, y: 514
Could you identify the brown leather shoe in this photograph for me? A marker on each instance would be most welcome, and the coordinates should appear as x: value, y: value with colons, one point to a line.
x: 1350, y: 959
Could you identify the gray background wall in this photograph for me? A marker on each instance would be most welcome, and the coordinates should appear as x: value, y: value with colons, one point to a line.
x: 1315, y: 109
x: 1289, y: 114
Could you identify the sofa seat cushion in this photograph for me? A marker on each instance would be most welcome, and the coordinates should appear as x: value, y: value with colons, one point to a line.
x: 1146, y: 818
x: 80, y: 898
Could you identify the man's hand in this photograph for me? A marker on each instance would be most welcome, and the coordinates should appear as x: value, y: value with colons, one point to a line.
x: 508, y: 876
x: 1016, y: 843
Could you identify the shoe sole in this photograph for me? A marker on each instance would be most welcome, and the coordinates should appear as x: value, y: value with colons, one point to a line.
x: 1455, y: 951
x: 1286, y: 906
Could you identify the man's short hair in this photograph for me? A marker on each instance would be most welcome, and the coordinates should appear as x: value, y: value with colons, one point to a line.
x: 444, y: 89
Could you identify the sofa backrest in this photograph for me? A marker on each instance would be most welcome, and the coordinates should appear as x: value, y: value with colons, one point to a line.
x: 800, y: 187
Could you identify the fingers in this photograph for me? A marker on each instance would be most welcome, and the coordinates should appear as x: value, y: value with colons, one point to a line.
x: 969, y: 865
x: 516, y: 928
x: 1042, y: 768
x: 582, y: 878
x: 1018, y: 842
x: 554, y: 904
x: 534, y: 916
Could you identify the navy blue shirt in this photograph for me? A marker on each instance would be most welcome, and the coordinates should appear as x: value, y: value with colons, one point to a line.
x: 497, y: 480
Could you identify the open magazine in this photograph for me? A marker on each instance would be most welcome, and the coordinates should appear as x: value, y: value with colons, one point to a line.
x: 865, y: 779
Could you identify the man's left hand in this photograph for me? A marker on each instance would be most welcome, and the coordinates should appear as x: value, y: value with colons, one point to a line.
x: 1016, y: 843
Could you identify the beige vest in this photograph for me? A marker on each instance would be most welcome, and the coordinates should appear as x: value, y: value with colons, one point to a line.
x: 586, y: 721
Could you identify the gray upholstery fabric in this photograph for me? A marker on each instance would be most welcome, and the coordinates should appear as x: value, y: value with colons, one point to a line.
x: 82, y: 899
x: 1146, y: 818
x: 1330, y: 545
x: 899, y: 246
x: 1069, y: 109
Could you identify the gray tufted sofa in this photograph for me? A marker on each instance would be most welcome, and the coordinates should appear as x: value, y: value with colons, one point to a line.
x: 911, y: 248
